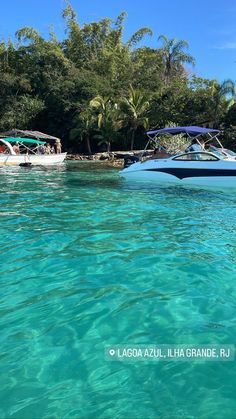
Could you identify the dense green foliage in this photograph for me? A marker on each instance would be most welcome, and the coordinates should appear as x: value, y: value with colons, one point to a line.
x: 96, y: 91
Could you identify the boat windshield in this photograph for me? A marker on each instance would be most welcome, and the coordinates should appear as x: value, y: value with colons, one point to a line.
x: 222, y: 152
x: 230, y: 152
x: 217, y: 151
x: 203, y: 156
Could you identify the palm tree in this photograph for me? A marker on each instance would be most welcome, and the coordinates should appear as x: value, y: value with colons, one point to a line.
x: 174, y: 56
x: 133, y: 111
x: 222, y: 97
x: 83, y: 123
x: 106, y: 114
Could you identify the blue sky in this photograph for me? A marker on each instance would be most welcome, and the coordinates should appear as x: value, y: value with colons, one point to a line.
x: 208, y: 25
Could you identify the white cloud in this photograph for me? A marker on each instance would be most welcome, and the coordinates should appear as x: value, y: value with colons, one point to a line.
x: 227, y: 45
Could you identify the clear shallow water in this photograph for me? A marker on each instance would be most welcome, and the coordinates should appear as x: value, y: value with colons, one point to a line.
x: 87, y: 261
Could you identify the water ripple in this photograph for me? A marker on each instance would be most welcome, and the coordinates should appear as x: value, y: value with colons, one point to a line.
x: 88, y: 260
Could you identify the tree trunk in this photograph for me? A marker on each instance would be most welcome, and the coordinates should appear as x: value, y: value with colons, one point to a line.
x: 108, y: 146
x: 88, y: 144
x: 132, y: 140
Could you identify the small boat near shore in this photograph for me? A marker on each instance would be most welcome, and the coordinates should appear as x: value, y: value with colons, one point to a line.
x: 30, y: 153
x: 200, y: 168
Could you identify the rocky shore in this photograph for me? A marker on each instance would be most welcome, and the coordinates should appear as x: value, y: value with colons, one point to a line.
x: 114, y: 158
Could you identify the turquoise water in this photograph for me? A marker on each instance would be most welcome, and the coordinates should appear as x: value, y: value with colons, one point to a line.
x: 87, y: 261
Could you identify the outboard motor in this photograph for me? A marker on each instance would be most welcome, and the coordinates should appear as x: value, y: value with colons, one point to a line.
x: 128, y: 160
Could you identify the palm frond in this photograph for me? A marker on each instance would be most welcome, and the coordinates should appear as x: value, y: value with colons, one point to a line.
x: 178, y: 46
x: 138, y: 36
x: 120, y: 19
x: 227, y: 87
x: 163, y: 38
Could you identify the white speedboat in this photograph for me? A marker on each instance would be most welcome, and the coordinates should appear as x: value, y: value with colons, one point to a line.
x: 30, y: 153
x: 186, y: 168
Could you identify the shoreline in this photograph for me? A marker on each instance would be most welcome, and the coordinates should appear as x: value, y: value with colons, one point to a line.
x: 113, y: 158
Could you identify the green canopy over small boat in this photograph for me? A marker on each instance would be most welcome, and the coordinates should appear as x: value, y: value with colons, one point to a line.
x: 23, y: 140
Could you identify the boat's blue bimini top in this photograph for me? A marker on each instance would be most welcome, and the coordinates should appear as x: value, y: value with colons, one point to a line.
x: 192, y: 131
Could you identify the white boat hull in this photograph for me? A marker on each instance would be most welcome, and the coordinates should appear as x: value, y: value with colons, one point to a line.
x: 168, y: 179
x: 221, y: 173
x: 34, y: 159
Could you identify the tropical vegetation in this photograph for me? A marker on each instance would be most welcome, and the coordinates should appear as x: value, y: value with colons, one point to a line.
x: 99, y: 91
